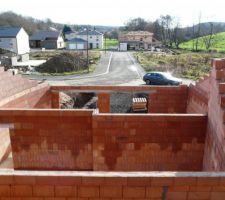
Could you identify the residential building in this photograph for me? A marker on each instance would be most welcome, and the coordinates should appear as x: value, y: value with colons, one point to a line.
x: 95, y: 38
x: 47, y: 40
x: 76, y: 44
x: 70, y: 35
x: 14, y: 39
x: 137, y: 40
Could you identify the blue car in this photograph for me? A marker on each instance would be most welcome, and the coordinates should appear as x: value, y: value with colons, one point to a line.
x: 161, y: 78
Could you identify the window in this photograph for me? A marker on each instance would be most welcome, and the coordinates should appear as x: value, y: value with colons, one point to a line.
x: 97, y: 40
x: 97, y: 45
x: 141, y: 39
x: 90, y: 37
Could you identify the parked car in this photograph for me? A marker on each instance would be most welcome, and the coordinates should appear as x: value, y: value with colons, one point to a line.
x: 161, y: 78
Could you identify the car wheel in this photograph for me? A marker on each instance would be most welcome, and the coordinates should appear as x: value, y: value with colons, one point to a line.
x: 148, y: 82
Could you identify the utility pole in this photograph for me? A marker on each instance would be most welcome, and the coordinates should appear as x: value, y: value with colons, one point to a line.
x: 87, y: 51
x: 105, y: 43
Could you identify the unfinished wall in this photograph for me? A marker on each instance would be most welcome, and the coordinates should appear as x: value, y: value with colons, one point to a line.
x: 19, y: 92
x: 197, y: 99
x: 5, y: 146
x: 148, y: 142
x: 168, y: 99
x: 78, y: 140
x: 214, y: 157
x: 95, y: 186
x: 162, y: 99
x: 36, y: 97
x: 48, y: 139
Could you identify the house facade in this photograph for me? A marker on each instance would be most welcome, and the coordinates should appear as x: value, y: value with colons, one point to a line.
x: 95, y: 38
x: 14, y: 39
x: 137, y: 40
x: 47, y: 40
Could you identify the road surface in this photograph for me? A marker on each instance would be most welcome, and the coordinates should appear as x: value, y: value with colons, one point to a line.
x: 114, y: 68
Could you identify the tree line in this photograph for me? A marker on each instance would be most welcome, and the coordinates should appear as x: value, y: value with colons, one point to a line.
x: 168, y: 30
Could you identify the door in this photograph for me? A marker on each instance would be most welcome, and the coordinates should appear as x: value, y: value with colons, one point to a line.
x: 80, y: 46
x: 91, y: 45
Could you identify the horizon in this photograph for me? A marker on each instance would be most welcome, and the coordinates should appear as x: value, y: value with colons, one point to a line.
x: 103, y: 14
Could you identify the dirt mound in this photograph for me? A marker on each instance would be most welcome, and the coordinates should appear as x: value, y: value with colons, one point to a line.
x: 64, y: 62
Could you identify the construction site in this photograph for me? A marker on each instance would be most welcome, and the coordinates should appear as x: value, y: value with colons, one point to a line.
x: 152, y: 143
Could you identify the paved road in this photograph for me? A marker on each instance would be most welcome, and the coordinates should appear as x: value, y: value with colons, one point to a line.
x: 114, y: 68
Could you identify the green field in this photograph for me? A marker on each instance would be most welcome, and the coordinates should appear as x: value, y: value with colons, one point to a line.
x: 111, y: 43
x: 185, y: 65
x: 218, y: 43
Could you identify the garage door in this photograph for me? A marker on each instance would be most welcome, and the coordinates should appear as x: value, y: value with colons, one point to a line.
x: 72, y: 46
x: 80, y: 46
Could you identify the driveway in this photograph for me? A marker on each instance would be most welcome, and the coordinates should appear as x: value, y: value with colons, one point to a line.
x: 114, y: 68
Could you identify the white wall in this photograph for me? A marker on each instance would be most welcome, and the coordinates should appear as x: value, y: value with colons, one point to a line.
x: 22, y: 42
x: 93, y: 39
x: 60, y: 43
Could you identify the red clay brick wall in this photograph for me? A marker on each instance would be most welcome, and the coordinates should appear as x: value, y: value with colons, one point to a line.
x: 50, y: 139
x: 168, y: 100
x: 214, y: 156
x: 76, y: 140
x: 197, y: 100
x: 148, y: 186
x: 36, y: 97
x: 103, y: 102
x: 19, y: 92
x: 5, y: 146
x: 55, y: 99
x: 162, y: 99
x: 11, y: 85
x: 148, y: 142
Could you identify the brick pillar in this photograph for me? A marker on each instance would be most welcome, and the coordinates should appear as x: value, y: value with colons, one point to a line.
x: 103, y: 102
x: 55, y: 99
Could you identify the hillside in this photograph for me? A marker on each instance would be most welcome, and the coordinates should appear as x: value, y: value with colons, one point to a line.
x: 28, y: 23
x: 32, y: 25
x: 218, y: 43
x: 205, y: 28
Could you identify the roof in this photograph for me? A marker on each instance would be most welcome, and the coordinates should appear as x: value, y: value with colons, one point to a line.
x: 69, y: 32
x: 43, y: 35
x: 9, y: 31
x: 77, y: 40
x: 137, y: 33
x: 90, y: 32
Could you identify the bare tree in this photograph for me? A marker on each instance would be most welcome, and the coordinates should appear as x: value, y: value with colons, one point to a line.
x: 208, y: 39
x: 166, y: 24
x: 197, y: 34
x: 178, y: 35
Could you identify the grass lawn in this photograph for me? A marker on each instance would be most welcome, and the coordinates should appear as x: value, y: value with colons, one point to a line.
x: 185, y: 65
x: 218, y: 43
x: 111, y: 43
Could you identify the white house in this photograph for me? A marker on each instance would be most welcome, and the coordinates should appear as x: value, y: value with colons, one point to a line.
x: 95, y: 38
x: 14, y: 39
x: 47, y: 40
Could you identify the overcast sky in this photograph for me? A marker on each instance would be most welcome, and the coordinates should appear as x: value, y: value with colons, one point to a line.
x: 116, y: 12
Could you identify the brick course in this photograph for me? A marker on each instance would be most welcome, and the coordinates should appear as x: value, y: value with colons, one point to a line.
x: 57, y: 190
x: 148, y: 142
